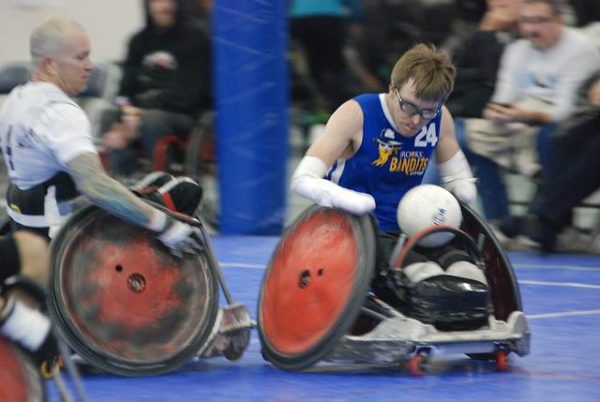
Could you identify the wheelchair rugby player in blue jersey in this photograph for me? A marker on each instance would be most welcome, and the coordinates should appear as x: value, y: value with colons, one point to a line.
x: 384, y: 269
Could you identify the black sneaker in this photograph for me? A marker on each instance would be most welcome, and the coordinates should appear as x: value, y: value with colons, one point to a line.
x: 542, y: 232
x: 182, y: 195
x: 511, y: 226
x: 151, y: 182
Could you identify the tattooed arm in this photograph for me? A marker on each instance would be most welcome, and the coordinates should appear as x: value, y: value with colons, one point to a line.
x: 110, y: 195
x: 93, y: 182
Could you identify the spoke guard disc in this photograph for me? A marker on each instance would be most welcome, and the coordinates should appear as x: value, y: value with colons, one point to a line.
x: 314, y: 286
x: 122, y: 301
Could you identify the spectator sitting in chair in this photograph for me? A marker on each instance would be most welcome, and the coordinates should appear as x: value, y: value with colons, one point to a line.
x: 477, y: 60
x: 536, y: 88
x: 575, y: 150
x: 166, y: 83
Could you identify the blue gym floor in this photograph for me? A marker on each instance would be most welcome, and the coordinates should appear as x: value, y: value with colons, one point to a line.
x: 561, y: 297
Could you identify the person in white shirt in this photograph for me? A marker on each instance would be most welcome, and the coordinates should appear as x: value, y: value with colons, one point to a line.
x: 536, y: 89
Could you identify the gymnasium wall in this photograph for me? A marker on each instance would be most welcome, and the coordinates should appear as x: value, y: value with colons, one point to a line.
x: 109, y: 23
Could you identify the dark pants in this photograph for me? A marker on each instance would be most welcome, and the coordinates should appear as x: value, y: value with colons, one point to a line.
x: 576, y: 161
x: 490, y: 181
x: 322, y: 39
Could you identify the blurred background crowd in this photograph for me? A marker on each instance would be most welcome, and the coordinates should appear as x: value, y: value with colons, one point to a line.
x: 152, y: 109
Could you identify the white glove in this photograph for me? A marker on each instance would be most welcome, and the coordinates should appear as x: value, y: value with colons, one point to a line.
x: 307, y: 181
x: 331, y: 195
x: 458, y: 179
x: 463, y: 189
x: 181, y: 238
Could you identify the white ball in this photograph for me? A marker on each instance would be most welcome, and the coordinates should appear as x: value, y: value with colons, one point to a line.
x: 428, y: 205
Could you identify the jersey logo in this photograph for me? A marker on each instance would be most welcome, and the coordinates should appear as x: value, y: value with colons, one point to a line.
x: 386, y: 146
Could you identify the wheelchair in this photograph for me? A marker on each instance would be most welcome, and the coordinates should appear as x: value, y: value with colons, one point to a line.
x: 126, y: 305
x: 316, y: 303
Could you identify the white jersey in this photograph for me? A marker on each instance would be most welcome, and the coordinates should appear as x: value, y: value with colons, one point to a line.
x: 41, y: 130
x: 552, y: 76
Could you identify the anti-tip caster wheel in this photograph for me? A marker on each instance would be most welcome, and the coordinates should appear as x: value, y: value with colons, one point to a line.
x: 502, y: 360
x: 417, y: 365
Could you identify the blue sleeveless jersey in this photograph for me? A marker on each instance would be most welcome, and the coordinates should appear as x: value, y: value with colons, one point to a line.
x: 386, y: 164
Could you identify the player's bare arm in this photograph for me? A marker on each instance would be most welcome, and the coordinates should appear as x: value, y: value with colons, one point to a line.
x: 341, y: 139
x: 342, y: 135
x: 91, y: 179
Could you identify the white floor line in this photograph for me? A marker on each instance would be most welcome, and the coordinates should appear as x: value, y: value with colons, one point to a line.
x: 556, y: 267
x: 563, y: 314
x: 567, y: 267
x: 242, y: 265
x: 561, y: 284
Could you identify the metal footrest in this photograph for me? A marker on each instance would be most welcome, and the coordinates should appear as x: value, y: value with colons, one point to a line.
x: 231, y: 333
x: 396, y: 339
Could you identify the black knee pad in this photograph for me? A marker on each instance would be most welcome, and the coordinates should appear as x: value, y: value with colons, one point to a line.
x: 447, y: 302
x: 9, y: 255
x: 450, y: 256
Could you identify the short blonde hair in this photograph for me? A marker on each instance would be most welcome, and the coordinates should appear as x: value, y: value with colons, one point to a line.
x: 431, y: 71
x: 49, y: 38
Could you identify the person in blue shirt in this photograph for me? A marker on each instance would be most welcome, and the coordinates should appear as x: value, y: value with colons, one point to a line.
x: 376, y: 147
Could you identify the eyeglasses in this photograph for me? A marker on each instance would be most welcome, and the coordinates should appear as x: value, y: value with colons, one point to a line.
x: 411, y: 109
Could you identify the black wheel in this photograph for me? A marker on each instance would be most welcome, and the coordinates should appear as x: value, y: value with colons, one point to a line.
x: 122, y: 301
x: 314, y: 286
x: 201, y: 166
x: 200, y: 148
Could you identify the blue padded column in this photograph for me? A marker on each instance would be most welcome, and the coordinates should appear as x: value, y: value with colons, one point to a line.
x: 251, y: 92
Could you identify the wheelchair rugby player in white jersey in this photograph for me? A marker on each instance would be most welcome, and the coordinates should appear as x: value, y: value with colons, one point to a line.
x: 117, y: 254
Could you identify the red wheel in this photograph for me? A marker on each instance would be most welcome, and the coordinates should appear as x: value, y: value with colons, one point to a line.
x: 415, y: 365
x: 123, y: 302
x: 314, y: 286
x: 20, y: 381
x: 501, y: 360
